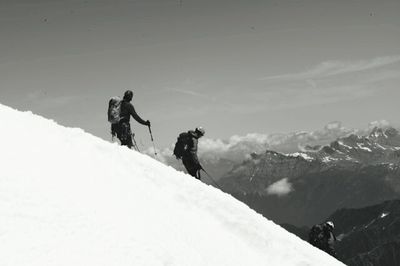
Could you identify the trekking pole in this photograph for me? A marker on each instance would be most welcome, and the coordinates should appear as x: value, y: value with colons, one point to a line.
x: 152, y: 140
x: 112, y: 136
x: 212, y: 179
x: 134, y: 143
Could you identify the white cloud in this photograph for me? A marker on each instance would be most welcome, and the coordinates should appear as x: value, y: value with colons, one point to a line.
x: 331, y: 82
x: 280, y: 188
x: 235, y: 148
x: 188, y: 92
x: 380, y: 124
x: 332, y: 68
x: 163, y: 155
x: 336, y: 125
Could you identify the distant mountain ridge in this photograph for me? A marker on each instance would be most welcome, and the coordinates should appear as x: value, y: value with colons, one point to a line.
x: 351, y: 152
x: 380, y: 146
x: 352, y: 171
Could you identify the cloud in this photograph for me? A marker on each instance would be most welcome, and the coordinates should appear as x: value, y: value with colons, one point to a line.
x: 380, y: 124
x: 382, y: 76
x: 280, y: 188
x: 46, y: 100
x: 188, y: 92
x: 330, y: 82
x: 163, y: 155
x: 336, y: 125
x: 333, y: 68
x: 236, y: 148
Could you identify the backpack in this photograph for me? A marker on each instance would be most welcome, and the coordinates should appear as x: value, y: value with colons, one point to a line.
x: 181, y: 144
x: 316, y: 235
x: 114, y: 110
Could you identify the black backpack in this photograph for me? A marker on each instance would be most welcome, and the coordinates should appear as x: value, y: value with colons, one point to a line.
x: 181, y: 144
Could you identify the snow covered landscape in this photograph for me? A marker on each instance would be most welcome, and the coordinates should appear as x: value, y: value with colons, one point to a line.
x: 69, y: 198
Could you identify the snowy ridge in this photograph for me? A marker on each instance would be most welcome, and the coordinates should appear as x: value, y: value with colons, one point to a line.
x: 344, y: 145
x: 69, y: 198
x: 376, y: 148
x: 305, y: 156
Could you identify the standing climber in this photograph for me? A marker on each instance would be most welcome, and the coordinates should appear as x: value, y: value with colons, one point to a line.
x: 186, y: 149
x: 119, y: 115
x: 322, y: 237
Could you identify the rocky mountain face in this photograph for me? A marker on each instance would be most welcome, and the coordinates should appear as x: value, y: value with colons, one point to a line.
x: 367, y: 236
x: 305, y: 187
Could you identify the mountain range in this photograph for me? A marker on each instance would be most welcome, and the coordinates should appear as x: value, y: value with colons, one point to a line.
x: 303, y: 188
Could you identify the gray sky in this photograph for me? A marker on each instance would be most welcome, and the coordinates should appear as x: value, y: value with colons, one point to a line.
x: 234, y: 67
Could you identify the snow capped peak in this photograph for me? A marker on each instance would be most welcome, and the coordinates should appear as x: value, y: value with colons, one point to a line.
x: 344, y: 145
x: 69, y: 198
x: 383, y: 215
x: 378, y: 133
x: 383, y: 132
x: 302, y: 155
x: 327, y: 159
x: 380, y: 146
x: 363, y: 147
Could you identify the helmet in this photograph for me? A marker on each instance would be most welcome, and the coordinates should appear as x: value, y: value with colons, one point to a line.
x: 128, y: 95
x: 330, y: 224
x: 200, y: 130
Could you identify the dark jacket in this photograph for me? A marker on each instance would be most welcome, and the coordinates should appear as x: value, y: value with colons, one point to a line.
x: 330, y: 239
x: 191, y: 148
x: 189, y: 158
x: 127, y: 110
x: 322, y: 237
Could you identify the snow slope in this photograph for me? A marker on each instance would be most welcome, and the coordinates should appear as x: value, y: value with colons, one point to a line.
x: 69, y: 198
